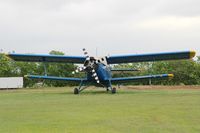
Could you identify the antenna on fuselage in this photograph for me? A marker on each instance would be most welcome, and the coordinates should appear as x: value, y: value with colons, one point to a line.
x: 96, y: 51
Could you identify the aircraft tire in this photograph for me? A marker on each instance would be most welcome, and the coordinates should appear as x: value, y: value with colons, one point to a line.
x: 113, y: 90
x: 76, y: 91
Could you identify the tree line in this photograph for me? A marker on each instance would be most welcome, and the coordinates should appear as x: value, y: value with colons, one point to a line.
x: 10, y: 68
x: 186, y: 72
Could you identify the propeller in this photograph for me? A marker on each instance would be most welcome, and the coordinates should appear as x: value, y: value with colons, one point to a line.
x: 90, y: 65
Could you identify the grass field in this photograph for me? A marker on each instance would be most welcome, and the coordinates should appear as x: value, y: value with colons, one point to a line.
x: 132, y: 109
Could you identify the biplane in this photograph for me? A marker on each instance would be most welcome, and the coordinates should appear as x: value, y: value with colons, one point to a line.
x: 98, y: 69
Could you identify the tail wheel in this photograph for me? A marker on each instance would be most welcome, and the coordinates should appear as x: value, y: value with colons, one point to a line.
x: 76, y: 91
x: 113, y: 90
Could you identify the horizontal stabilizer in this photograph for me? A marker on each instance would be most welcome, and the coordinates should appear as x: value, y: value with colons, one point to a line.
x: 55, y: 78
x: 150, y: 57
x: 47, y: 58
x: 139, y: 78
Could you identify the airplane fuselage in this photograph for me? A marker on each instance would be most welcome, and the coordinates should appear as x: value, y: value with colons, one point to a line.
x: 104, y: 73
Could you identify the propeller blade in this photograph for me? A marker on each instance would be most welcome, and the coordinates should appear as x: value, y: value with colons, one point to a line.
x: 89, y: 66
x: 85, y: 52
x: 94, y: 75
x: 96, y: 78
x: 80, y: 69
x: 88, y: 58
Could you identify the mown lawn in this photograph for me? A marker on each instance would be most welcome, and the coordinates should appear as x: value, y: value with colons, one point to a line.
x: 58, y: 110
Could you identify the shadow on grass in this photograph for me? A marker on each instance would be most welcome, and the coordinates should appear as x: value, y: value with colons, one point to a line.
x: 104, y: 92
x: 120, y: 92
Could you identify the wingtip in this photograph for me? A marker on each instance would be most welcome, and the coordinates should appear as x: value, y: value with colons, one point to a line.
x: 192, y: 54
x: 171, y: 75
x: 6, y: 55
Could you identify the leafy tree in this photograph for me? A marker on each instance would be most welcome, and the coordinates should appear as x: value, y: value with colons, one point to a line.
x: 58, y: 69
x: 9, y: 68
x: 186, y: 71
x: 6, y: 69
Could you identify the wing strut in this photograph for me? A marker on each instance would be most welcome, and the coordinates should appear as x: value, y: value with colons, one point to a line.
x: 45, y: 69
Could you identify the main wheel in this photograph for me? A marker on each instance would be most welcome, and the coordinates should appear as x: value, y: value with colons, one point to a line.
x: 113, y: 90
x: 76, y: 91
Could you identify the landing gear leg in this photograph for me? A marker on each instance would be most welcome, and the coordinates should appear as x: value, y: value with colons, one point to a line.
x: 80, y: 88
x: 113, y: 90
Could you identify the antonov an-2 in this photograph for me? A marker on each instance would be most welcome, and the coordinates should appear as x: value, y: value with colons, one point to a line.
x: 98, y: 70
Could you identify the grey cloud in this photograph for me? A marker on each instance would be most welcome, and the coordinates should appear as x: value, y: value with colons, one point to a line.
x: 179, y: 7
x: 110, y: 25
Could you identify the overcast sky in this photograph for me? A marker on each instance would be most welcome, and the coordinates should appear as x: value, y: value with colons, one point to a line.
x: 111, y: 26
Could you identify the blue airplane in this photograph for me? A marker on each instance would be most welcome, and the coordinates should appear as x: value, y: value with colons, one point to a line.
x: 98, y: 70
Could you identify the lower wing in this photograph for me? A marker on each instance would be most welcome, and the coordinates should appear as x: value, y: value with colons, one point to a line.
x: 139, y: 78
x: 56, y: 78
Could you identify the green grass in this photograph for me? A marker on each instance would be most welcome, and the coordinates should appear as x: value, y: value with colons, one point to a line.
x: 53, y: 110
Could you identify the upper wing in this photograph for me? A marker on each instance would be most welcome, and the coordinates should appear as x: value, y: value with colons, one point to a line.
x: 150, y: 57
x: 139, y: 78
x: 47, y: 58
